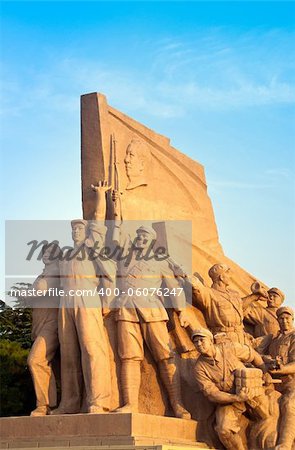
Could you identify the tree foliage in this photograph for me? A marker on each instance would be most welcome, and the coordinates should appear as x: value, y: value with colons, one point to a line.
x: 16, y: 322
x: 17, y: 393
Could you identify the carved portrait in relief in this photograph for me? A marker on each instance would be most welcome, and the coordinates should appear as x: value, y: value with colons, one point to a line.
x: 137, y: 160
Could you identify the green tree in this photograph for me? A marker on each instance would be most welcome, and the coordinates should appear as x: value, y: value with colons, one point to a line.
x: 17, y: 392
x: 16, y: 322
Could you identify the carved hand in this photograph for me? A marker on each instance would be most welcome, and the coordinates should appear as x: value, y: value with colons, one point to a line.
x: 259, y: 290
x: 195, y: 282
x: 263, y: 292
x: 267, y: 379
x: 101, y: 187
x: 277, y: 368
x: 244, y: 395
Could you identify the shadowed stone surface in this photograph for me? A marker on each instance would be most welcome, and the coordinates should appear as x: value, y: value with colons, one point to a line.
x: 97, y: 429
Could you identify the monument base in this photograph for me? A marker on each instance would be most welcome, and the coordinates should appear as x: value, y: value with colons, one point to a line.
x: 100, y: 431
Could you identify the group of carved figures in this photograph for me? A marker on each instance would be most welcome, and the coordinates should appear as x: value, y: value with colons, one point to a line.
x: 238, y: 372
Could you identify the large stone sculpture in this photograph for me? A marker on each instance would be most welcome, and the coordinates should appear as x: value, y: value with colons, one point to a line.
x: 132, y: 351
x: 44, y: 332
x: 108, y: 139
x: 83, y: 342
x: 176, y: 190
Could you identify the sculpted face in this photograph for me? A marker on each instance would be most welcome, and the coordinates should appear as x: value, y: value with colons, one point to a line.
x: 285, y: 322
x: 143, y: 240
x: 78, y: 233
x: 225, y: 278
x: 136, y: 161
x: 203, y: 345
x: 133, y: 162
x: 274, y: 300
x: 48, y: 255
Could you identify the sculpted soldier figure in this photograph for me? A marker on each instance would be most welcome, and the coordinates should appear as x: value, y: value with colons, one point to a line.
x: 214, y: 373
x: 280, y: 358
x: 143, y: 318
x: 222, y: 307
x: 44, y: 332
x: 264, y: 319
x: 83, y: 341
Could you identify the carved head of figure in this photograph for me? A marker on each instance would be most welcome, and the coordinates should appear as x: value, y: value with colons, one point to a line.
x: 79, y: 229
x: 219, y: 273
x: 145, y: 235
x: 285, y: 316
x: 51, y: 253
x: 204, y: 341
x: 275, y: 298
x: 136, y: 161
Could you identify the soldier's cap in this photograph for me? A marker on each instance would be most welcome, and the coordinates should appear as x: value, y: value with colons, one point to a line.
x: 202, y: 332
x: 147, y: 229
x: 82, y: 221
x: 285, y: 309
x: 276, y: 291
x: 217, y: 270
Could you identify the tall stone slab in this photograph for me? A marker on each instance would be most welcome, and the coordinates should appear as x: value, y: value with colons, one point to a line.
x: 175, y: 186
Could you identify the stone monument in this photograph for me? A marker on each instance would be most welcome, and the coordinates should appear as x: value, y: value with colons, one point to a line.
x: 156, y: 371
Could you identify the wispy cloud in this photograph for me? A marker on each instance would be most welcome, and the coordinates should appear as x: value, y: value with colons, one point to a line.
x: 267, y: 179
x: 279, y: 172
x: 215, y: 72
x: 206, y: 71
x: 238, y: 184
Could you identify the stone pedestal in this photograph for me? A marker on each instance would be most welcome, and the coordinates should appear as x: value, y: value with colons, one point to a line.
x: 99, y: 431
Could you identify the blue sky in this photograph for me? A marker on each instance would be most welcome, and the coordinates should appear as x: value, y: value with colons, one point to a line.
x: 215, y: 77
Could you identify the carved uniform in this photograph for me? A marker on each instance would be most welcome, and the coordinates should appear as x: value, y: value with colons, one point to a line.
x: 83, y: 340
x: 45, y: 337
x: 264, y: 320
x: 283, y: 345
x: 217, y: 374
x: 145, y: 317
x: 223, y: 311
